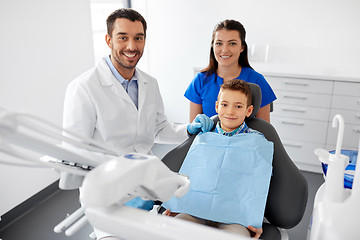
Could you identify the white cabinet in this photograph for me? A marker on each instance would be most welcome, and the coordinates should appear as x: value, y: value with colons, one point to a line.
x: 346, y: 101
x: 300, y: 116
x: 303, y: 115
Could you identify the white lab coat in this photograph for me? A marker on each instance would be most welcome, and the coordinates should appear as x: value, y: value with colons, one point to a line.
x: 97, y: 106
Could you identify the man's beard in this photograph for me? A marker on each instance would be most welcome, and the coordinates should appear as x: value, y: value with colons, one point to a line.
x: 122, y: 64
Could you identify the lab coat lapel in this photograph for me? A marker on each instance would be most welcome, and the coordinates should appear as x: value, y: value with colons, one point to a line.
x: 142, y: 85
x: 107, y: 79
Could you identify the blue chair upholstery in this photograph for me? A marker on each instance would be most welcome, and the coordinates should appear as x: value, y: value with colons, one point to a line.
x: 288, y: 190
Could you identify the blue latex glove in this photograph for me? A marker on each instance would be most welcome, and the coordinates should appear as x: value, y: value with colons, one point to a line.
x: 201, y: 123
x: 140, y: 203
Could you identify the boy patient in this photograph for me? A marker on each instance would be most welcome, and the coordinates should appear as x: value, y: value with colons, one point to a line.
x: 229, y: 169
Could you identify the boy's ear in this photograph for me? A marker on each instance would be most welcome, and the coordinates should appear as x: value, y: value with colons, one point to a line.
x: 216, y: 106
x: 249, y: 110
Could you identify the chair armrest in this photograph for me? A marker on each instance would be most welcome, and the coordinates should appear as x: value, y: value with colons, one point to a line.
x: 174, y: 159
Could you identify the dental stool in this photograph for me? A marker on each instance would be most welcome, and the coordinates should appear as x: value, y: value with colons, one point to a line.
x: 288, y: 191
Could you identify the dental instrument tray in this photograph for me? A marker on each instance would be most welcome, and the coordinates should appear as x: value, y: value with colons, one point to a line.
x: 350, y: 168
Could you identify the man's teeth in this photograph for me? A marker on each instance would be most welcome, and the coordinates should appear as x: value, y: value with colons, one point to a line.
x: 130, y: 55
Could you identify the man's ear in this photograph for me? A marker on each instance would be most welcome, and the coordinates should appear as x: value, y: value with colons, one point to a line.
x: 249, y: 110
x: 216, y: 106
x: 108, y: 40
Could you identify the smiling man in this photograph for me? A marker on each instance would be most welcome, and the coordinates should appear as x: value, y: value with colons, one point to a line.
x: 126, y: 39
x: 118, y: 104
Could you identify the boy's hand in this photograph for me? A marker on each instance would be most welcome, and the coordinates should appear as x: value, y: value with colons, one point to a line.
x: 201, y: 123
x: 255, y: 232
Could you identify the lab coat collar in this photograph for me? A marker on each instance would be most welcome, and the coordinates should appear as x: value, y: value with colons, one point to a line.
x: 107, y: 78
x: 115, y: 72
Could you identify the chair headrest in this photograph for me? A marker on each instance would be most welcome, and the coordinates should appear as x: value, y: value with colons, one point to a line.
x: 256, y: 99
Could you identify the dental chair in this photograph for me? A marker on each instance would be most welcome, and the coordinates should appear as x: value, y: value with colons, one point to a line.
x: 288, y: 191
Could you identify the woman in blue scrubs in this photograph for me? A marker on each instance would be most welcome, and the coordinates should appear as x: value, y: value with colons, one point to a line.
x: 228, y: 60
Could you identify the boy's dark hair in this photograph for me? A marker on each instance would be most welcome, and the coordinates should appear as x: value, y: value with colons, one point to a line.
x: 127, y: 13
x: 239, y: 85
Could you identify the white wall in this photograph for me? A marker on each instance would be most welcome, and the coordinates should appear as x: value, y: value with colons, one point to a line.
x: 44, y: 45
x: 307, y: 37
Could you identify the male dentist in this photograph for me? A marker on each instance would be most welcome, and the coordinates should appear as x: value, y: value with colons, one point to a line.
x: 120, y: 105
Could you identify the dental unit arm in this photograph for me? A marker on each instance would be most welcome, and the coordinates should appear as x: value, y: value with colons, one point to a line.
x: 110, y: 180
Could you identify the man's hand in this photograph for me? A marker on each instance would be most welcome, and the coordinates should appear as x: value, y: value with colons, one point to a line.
x: 201, y: 123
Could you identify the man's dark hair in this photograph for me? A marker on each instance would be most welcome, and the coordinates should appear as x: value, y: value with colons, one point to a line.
x: 127, y: 13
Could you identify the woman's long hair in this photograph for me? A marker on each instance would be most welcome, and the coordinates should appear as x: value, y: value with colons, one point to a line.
x: 243, y: 58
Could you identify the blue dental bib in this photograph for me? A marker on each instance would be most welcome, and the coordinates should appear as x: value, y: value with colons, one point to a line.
x: 229, y: 176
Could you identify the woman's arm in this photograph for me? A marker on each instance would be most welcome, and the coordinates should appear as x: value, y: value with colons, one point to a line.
x: 263, y: 113
x: 195, y: 109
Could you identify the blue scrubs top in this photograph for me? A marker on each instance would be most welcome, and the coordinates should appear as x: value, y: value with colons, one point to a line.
x: 204, y: 89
